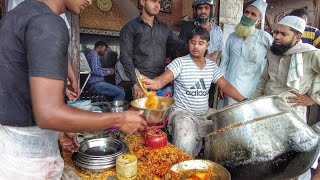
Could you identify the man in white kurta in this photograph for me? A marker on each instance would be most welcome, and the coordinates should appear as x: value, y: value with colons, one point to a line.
x: 243, y: 58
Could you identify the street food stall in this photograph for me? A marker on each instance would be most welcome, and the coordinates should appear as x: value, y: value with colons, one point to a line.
x: 152, y: 163
x: 243, y: 142
x: 154, y: 155
x: 156, y: 158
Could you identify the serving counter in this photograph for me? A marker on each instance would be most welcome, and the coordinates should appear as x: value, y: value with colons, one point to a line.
x: 153, y: 164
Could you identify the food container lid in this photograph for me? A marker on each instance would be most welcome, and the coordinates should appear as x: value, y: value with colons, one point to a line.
x: 126, y: 159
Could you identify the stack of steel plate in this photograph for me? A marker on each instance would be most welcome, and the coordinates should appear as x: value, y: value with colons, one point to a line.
x: 98, y: 155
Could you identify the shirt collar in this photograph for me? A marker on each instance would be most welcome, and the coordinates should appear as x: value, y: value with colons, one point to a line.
x: 156, y: 21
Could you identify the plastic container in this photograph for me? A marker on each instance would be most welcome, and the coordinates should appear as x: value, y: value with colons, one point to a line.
x: 126, y: 167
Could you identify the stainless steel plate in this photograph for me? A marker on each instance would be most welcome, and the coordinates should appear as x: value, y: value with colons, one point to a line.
x: 101, y: 147
x: 98, y: 155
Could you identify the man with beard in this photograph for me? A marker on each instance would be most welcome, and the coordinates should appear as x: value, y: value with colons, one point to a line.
x: 192, y: 76
x: 311, y: 35
x: 143, y: 43
x: 243, y: 58
x: 292, y: 70
x: 203, y: 17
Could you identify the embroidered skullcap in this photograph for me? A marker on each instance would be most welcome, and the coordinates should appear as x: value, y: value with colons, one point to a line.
x: 261, y: 5
x: 294, y: 22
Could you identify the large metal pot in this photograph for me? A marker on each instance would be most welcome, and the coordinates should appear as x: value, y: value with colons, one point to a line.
x: 256, y: 141
x: 154, y: 117
x: 244, y: 111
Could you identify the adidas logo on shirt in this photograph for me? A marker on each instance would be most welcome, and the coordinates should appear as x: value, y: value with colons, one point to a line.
x: 199, y: 89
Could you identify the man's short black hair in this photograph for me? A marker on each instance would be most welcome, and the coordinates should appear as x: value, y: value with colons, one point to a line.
x: 100, y: 43
x: 299, y: 12
x: 202, y: 32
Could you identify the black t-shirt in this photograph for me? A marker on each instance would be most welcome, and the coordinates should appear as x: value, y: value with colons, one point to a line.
x: 33, y: 42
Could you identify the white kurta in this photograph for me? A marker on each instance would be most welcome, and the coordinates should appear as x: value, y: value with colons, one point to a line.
x: 243, y: 61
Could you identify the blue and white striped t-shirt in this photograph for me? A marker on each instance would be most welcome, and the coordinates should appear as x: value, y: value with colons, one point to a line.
x: 191, y: 83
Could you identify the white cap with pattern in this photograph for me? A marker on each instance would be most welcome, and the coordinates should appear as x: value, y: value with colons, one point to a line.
x: 294, y: 22
x: 261, y: 5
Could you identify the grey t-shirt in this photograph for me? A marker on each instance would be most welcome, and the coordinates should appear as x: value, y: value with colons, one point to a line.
x: 33, y: 42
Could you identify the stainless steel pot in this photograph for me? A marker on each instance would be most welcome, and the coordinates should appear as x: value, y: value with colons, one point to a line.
x: 116, y: 106
x: 277, y: 146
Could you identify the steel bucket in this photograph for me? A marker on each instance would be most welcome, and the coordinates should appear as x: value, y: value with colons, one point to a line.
x: 154, y: 117
x: 278, y: 146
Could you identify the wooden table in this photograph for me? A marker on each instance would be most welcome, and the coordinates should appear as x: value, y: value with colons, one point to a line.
x: 153, y: 164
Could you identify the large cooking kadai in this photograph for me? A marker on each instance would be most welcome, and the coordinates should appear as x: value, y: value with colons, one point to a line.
x: 244, y: 111
x: 258, y: 145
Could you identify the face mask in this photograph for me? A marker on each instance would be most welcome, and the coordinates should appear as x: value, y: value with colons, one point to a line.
x: 203, y: 20
x: 247, y: 21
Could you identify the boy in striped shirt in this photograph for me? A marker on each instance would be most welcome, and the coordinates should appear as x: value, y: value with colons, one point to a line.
x: 192, y: 76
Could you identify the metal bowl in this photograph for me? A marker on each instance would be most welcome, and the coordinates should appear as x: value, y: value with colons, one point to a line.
x: 222, y: 172
x: 154, y: 116
x: 116, y: 106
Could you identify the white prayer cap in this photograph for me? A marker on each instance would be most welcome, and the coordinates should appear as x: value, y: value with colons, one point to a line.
x: 294, y: 22
x: 261, y: 5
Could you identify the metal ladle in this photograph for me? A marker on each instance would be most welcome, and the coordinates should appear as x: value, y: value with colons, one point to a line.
x: 139, y: 77
x: 108, y: 104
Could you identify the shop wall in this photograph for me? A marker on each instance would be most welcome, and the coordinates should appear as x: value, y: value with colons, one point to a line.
x: 94, y: 18
x: 114, y: 20
x: 173, y: 19
x: 277, y: 10
x: 187, y: 8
